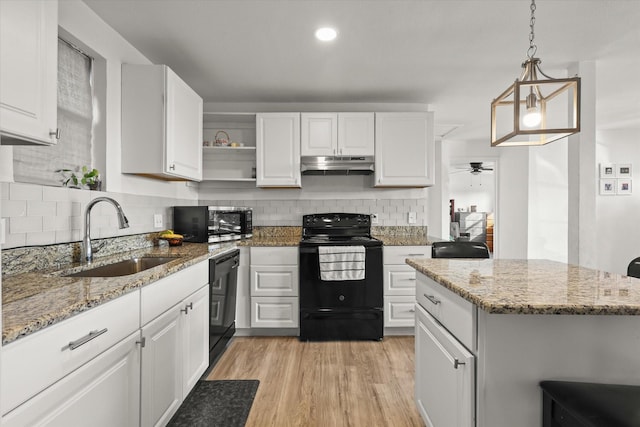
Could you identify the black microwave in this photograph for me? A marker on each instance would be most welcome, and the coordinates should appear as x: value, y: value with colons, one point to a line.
x: 202, y: 224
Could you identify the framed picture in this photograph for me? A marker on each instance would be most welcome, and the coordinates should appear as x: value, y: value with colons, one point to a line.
x: 624, y: 186
x: 607, y: 170
x: 608, y: 187
x: 623, y: 171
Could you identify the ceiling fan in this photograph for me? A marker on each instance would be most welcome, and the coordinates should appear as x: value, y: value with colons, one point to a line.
x: 476, y: 168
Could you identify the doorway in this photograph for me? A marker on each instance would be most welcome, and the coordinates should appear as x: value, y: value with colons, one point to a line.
x: 473, y: 200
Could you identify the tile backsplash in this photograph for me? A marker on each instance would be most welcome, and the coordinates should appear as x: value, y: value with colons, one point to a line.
x: 39, y: 215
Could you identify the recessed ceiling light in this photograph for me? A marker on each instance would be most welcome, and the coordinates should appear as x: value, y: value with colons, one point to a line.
x: 326, y: 34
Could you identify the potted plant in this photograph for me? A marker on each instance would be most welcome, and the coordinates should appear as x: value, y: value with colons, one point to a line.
x: 89, y: 177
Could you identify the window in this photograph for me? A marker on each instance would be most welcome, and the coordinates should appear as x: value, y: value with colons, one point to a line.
x: 38, y: 165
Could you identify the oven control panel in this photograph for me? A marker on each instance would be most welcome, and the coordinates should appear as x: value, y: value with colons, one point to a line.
x: 336, y: 220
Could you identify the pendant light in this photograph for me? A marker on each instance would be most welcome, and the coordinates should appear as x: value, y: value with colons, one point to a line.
x: 536, y: 109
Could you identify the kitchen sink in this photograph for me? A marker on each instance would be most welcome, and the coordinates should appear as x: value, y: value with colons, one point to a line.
x: 123, y: 268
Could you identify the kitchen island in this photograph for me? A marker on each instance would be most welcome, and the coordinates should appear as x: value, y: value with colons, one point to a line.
x: 488, y: 331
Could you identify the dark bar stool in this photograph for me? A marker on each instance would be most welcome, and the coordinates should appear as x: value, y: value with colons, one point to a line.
x: 633, y: 270
x: 459, y: 249
x: 574, y: 404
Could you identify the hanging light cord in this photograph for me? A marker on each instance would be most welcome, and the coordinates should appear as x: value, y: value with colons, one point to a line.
x: 532, y: 22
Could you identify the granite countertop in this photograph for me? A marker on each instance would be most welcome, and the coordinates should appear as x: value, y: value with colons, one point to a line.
x: 32, y: 301
x: 534, y: 286
x: 406, y: 240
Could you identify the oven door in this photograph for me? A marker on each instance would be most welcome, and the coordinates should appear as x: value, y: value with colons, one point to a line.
x: 349, y: 294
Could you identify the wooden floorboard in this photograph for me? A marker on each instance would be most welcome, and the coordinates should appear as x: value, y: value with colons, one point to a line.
x: 341, y: 383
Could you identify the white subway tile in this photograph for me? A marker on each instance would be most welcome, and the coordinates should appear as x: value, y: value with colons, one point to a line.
x: 45, y: 238
x: 15, y: 240
x: 65, y: 236
x: 18, y: 191
x: 4, y: 191
x: 25, y: 224
x: 56, y: 223
x: 40, y: 208
x: 13, y: 208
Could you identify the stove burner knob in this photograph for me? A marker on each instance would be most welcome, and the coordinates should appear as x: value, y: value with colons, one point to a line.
x: 336, y: 218
x: 341, y: 297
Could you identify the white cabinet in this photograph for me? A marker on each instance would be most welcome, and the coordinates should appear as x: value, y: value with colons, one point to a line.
x: 35, y: 362
x: 28, y: 71
x: 278, y: 150
x: 274, y: 287
x: 445, y: 375
x: 400, y: 284
x: 161, y: 124
x: 176, y: 337
x: 243, y: 295
x: 337, y: 134
x: 106, y: 391
x: 404, y: 150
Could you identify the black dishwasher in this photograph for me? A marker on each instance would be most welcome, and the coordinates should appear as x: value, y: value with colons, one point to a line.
x: 223, y: 281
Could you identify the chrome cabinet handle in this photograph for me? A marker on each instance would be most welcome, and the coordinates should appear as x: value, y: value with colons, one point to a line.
x: 412, y: 310
x: 82, y: 341
x: 55, y: 133
x: 172, y: 167
x: 457, y: 363
x: 413, y: 279
x: 142, y: 342
x: 432, y: 299
x: 415, y: 254
x: 187, y: 307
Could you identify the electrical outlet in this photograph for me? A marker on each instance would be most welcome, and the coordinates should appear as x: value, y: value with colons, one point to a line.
x: 157, y: 220
x: 412, y: 218
x: 374, y: 218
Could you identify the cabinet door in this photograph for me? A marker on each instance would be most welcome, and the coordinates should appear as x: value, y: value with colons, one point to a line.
x: 184, y: 129
x: 399, y: 311
x: 356, y: 134
x: 195, y: 338
x: 444, y: 388
x: 404, y: 150
x: 28, y: 71
x: 319, y: 134
x: 161, y: 387
x: 278, y: 150
x: 274, y: 280
x: 275, y: 312
x: 105, y: 391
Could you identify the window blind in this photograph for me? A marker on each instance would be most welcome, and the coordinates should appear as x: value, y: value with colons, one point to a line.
x: 38, y: 165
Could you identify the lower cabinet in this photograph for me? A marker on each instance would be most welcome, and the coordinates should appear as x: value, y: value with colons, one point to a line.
x: 104, y: 392
x: 400, y: 284
x: 445, y: 375
x: 174, y: 356
x: 274, y: 287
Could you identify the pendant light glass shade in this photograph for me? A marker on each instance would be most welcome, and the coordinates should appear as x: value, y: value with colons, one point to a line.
x: 536, y: 109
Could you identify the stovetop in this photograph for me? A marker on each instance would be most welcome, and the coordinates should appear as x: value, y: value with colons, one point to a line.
x: 337, y: 229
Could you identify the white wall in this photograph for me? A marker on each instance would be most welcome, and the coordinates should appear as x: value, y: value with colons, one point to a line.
x: 618, y: 227
x: 77, y: 20
x: 548, y: 201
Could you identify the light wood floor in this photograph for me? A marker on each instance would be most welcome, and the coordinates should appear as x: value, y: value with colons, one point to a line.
x: 344, y: 383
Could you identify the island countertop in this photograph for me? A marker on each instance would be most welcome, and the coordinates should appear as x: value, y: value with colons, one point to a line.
x: 534, y: 286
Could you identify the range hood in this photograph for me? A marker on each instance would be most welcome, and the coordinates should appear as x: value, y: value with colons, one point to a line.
x: 328, y: 165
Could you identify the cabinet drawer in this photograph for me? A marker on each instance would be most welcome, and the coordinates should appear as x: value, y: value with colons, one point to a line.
x: 399, y: 280
x: 158, y: 297
x: 398, y: 254
x: 274, y: 280
x: 274, y: 256
x: 274, y: 312
x: 33, y: 363
x: 454, y: 312
x: 399, y: 311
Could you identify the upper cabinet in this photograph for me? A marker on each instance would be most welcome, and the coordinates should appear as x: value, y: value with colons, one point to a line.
x: 404, y: 150
x: 28, y: 72
x: 161, y: 124
x: 337, y: 134
x: 278, y: 150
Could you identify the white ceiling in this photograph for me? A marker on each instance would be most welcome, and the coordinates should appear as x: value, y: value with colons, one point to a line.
x: 455, y: 55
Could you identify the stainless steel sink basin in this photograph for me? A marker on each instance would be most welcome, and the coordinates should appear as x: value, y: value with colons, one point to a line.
x: 123, y: 268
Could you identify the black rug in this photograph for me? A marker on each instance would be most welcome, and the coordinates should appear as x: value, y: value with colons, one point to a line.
x: 217, y: 403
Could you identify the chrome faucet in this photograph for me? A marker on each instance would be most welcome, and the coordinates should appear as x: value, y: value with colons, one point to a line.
x: 87, y: 251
